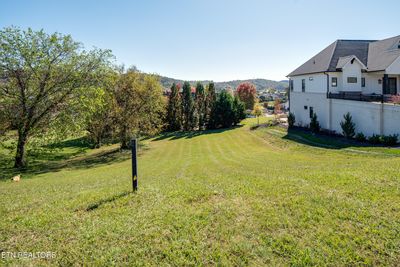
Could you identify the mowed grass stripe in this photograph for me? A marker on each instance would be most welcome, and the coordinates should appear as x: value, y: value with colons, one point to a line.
x: 235, y: 197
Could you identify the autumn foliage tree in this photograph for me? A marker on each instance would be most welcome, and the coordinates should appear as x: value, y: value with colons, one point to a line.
x: 248, y: 94
x: 277, y: 106
x: 257, y: 111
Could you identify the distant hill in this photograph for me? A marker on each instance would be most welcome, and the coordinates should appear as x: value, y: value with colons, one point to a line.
x: 259, y: 83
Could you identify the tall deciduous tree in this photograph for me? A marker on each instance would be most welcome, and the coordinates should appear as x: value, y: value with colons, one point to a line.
x: 248, y: 94
x: 97, y: 105
x: 40, y: 74
x: 187, y: 107
x: 201, y: 105
x: 174, y: 109
x: 139, y: 105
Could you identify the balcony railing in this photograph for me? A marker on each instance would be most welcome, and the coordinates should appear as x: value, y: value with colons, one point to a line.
x: 357, y: 96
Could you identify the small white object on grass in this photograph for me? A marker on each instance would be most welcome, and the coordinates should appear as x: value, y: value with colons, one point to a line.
x: 16, y: 178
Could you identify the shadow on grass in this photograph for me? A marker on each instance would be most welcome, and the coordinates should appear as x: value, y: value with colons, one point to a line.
x: 81, y: 142
x: 322, y: 140
x: 79, y: 162
x: 192, y: 134
x: 97, y: 204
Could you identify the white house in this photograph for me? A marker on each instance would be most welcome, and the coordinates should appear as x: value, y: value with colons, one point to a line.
x: 356, y: 76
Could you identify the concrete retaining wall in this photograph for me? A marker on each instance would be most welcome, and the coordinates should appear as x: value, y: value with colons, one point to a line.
x: 370, y: 118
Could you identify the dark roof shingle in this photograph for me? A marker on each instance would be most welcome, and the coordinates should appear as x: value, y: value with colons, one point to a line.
x: 376, y: 55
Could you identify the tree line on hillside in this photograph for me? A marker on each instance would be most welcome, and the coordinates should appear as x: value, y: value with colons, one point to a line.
x: 260, y: 84
x: 51, y: 88
x: 202, y: 108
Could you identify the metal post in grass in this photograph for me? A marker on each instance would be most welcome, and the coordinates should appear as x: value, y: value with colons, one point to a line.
x: 134, y: 164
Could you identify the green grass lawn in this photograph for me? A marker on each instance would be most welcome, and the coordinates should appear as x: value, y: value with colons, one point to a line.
x: 233, y: 197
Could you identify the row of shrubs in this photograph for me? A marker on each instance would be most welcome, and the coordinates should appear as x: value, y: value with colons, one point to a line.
x: 388, y: 140
x: 348, y: 130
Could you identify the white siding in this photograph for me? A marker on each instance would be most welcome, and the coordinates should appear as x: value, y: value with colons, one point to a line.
x: 394, y: 68
x: 315, y: 83
x: 339, y: 86
x: 372, y: 83
x: 317, y: 101
x: 366, y: 116
x: 351, y: 70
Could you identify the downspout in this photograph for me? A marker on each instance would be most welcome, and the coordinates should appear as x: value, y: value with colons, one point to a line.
x: 329, y: 103
x: 385, y: 85
x: 327, y: 84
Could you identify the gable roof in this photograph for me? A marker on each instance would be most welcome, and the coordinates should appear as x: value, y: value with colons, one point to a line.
x: 318, y: 63
x: 342, y: 61
x: 375, y: 55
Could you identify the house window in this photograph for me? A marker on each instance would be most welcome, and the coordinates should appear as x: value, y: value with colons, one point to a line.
x: 311, y: 112
x: 351, y: 79
x: 291, y: 85
x: 305, y: 107
x: 303, y: 85
x: 362, y: 82
x: 334, y: 81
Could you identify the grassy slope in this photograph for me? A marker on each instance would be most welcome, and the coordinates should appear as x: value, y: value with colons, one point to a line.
x: 236, y: 197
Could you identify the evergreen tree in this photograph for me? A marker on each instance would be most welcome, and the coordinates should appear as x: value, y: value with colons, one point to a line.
x: 238, y: 110
x: 223, y: 112
x: 348, y: 126
x: 174, y: 109
x: 187, y: 107
x: 201, y: 105
x: 210, y: 106
x: 314, y: 124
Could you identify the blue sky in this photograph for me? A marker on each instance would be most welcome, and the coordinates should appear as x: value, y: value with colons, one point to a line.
x: 209, y: 39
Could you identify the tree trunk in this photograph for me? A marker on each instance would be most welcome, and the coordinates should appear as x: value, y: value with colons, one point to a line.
x: 124, y: 138
x: 20, y: 160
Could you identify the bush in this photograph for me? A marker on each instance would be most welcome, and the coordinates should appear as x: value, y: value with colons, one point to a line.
x: 291, y: 119
x: 314, y: 124
x: 361, y: 137
x: 395, y: 99
x: 375, y: 139
x: 390, y: 140
x: 348, y: 126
